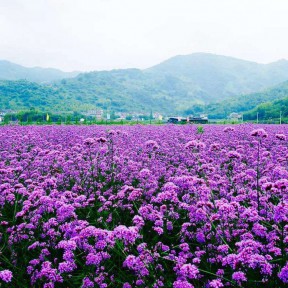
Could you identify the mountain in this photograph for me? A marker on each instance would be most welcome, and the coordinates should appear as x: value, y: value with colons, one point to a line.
x: 269, y: 110
x: 242, y: 103
x: 183, y: 84
x: 22, y: 95
x: 217, y: 77
x: 11, y: 71
x: 120, y: 90
x: 176, y: 84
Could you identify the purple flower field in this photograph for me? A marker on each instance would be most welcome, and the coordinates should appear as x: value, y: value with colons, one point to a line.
x: 144, y: 206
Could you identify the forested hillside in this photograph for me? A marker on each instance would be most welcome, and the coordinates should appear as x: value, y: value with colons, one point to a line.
x: 191, y: 84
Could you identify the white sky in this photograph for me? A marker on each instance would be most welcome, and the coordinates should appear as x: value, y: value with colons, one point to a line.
x: 106, y: 34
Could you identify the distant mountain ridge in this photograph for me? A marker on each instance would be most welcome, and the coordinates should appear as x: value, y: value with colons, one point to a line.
x: 175, y: 86
x: 269, y: 110
x: 245, y: 103
x: 11, y: 71
x: 219, y: 76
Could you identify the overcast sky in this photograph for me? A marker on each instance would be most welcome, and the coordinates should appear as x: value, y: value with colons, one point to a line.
x: 106, y: 34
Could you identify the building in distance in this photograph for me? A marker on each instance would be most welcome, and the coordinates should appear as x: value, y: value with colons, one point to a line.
x: 203, y: 119
x: 235, y: 116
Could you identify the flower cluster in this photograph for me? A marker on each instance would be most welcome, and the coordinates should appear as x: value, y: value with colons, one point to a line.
x: 144, y: 206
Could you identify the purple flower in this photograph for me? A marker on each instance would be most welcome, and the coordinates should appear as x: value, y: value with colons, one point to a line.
x: 281, y: 137
x: 49, y: 285
x: 93, y: 259
x: 259, y: 133
x: 184, y: 247
x: 182, y: 284
x: 135, y: 264
x: 6, y: 275
x: 67, y: 245
x: 281, y: 212
x: 152, y: 144
x: 195, y: 144
x: 283, y: 274
x: 138, y: 221
x: 189, y: 271
x: 239, y: 277
x: 65, y: 211
x: 87, y: 194
x: 139, y: 282
x: 65, y: 267
x: 233, y: 154
x: 228, y: 129
x: 89, y: 141
x: 128, y: 235
x: 101, y: 140
x: 87, y: 283
x: 216, y: 283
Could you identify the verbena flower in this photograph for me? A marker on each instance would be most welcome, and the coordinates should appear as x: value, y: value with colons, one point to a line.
x: 259, y: 133
x: 6, y: 276
x: 283, y: 274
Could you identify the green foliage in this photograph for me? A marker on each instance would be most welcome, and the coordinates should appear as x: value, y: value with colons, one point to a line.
x: 193, y: 84
x: 200, y: 130
x: 269, y: 111
x: 245, y: 103
x: 37, y: 117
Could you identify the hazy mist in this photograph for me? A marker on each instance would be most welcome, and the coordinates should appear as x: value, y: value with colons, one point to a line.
x: 107, y: 34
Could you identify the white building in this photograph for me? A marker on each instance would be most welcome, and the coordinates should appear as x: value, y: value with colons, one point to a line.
x: 99, y: 114
x: 235, y: 116
x: 2, y: 114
